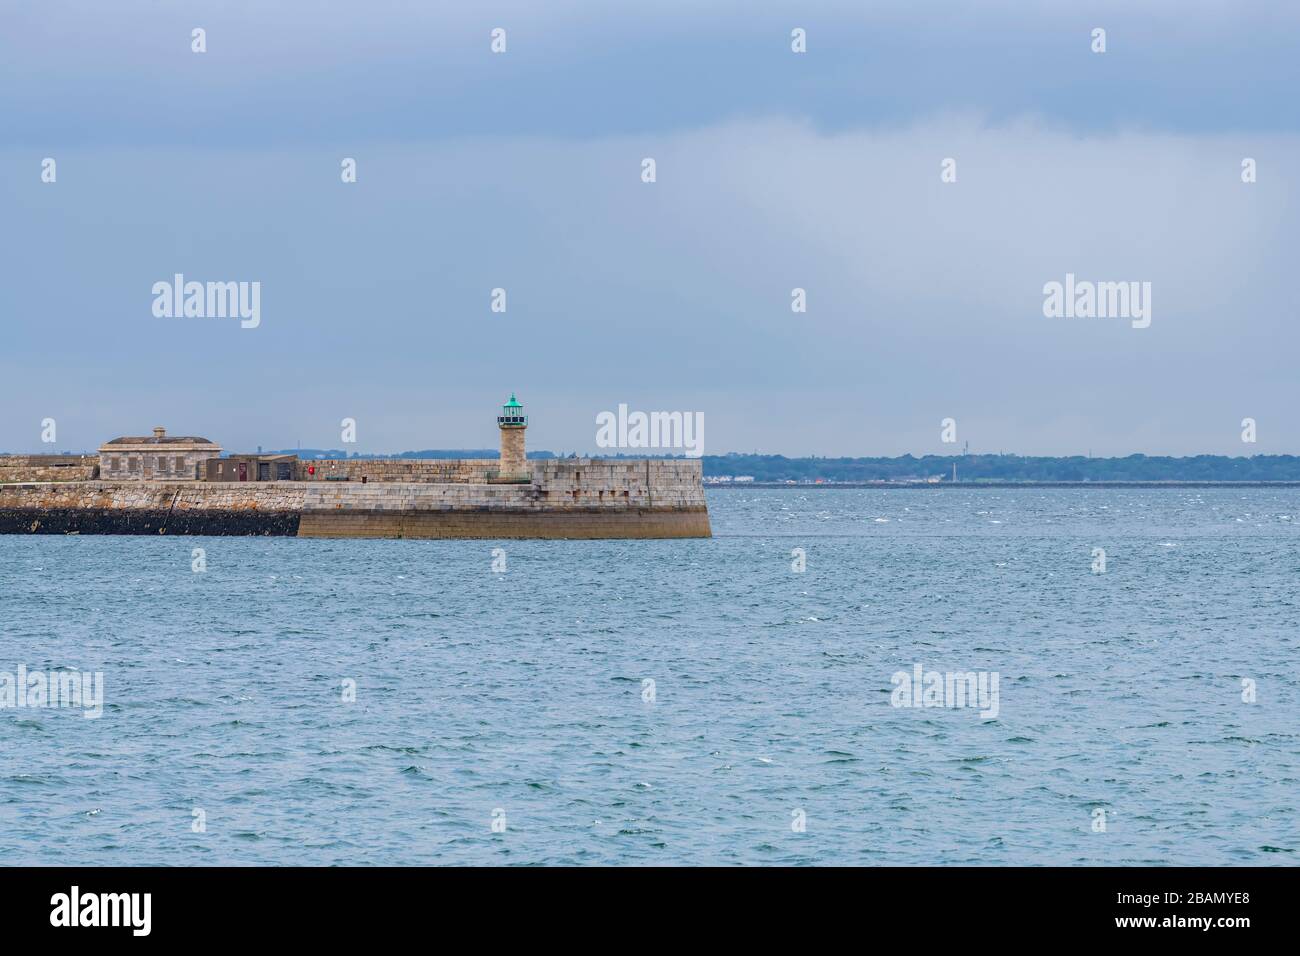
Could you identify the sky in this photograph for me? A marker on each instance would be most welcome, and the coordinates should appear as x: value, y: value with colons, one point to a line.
x: 775, y: 171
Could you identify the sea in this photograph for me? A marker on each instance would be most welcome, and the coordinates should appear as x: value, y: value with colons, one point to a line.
x: 739, y: 700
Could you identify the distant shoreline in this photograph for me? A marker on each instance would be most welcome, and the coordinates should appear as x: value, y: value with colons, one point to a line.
x: 973, y: 485
x: 928, y: 471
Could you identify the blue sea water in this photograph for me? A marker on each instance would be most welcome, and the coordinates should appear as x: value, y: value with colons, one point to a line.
x: 521, y: 696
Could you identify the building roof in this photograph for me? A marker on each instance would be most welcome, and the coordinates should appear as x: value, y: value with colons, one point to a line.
x: 513, y: 403
x: 167, y: 440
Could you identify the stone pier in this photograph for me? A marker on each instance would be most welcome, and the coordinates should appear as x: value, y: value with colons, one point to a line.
x: 559, y: 498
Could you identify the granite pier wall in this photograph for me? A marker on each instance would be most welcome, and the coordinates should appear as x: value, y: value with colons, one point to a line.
x: 48, y: 467
x: 150, y: 507
x: 565, y: 498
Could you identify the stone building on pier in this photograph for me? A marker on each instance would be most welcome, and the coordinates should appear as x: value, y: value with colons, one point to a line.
x: 157, y: 458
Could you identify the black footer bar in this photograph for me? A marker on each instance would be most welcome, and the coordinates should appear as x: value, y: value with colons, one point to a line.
x: 333, y: 906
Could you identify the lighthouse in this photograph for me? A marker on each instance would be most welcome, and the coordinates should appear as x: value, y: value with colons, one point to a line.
x: 513, y: 423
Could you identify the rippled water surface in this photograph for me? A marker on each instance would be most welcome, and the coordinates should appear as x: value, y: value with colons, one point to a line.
x: 523, y: 692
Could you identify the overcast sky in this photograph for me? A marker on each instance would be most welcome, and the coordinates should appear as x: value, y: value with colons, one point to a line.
x: 775, y: 170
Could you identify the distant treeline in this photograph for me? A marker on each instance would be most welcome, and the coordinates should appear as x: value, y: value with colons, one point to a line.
x: 1009, y: 468
x: 969, y: 467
